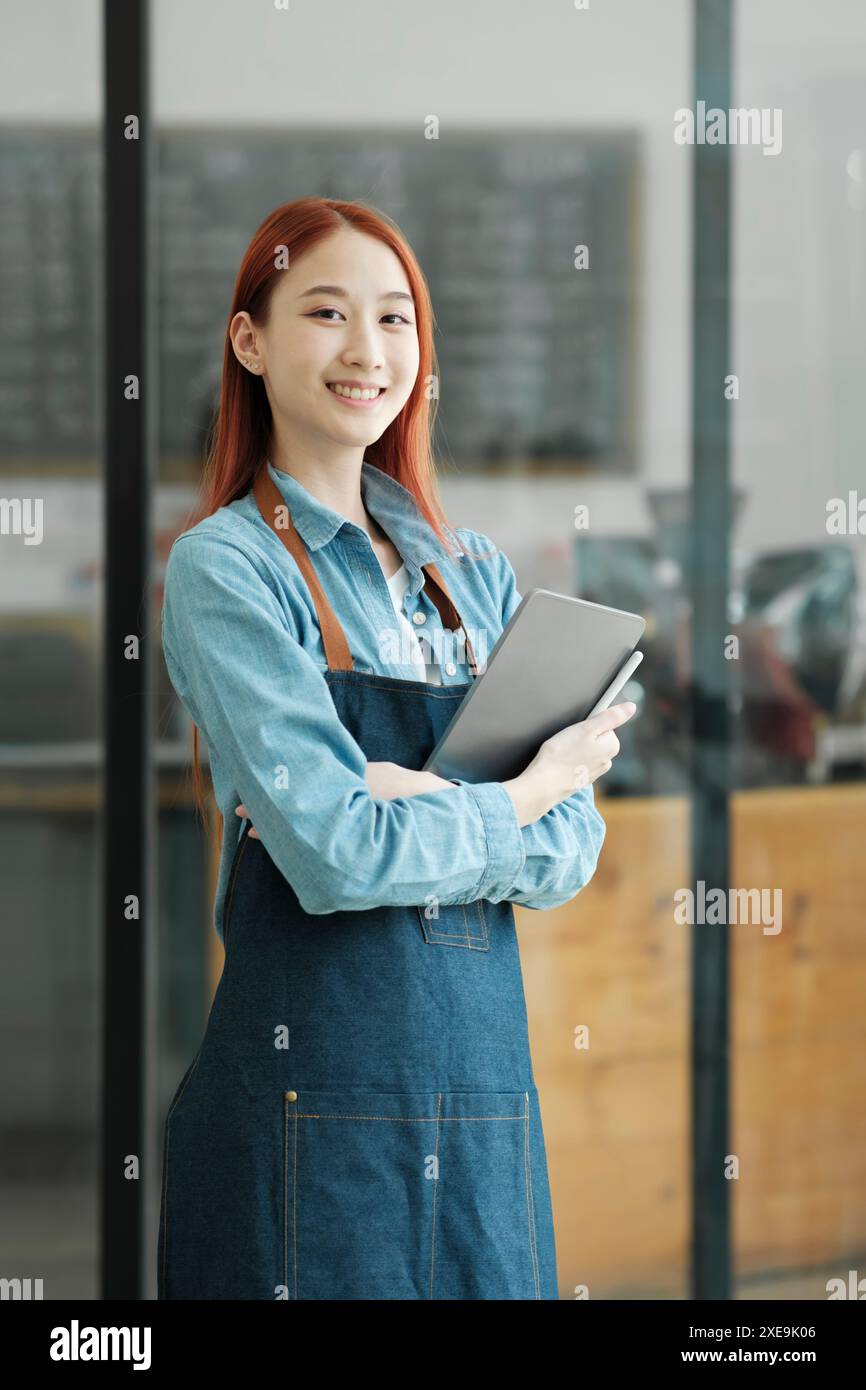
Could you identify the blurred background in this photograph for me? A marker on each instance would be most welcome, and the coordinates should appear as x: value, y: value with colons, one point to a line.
x: 562, y: 390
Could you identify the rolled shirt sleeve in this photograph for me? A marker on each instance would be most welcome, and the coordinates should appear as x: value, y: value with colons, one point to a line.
x: 562, y: 852
x: 264, y: 706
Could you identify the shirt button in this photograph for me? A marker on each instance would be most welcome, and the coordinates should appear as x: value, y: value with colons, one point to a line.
x: 419, y: 618
x: 450, y: 668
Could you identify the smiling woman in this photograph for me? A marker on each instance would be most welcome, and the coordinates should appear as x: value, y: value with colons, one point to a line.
x: 361, y: 1119
x: 346, y: 338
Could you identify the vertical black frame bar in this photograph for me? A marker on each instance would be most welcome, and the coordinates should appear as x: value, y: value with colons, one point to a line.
x: 710, y: 520
x: 128, y: 798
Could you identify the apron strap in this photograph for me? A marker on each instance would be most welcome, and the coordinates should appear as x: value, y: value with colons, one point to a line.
x: 337, y: 653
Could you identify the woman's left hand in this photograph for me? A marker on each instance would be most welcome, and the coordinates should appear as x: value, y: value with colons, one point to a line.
x: 244, y: 813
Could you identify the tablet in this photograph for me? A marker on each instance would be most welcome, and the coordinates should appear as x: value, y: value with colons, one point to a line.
x: 555, y: 658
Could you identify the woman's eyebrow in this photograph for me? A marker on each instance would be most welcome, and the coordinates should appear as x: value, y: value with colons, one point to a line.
x: 344, y: 294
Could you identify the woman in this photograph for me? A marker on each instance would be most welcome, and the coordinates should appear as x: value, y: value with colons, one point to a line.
x: 361, y: 1119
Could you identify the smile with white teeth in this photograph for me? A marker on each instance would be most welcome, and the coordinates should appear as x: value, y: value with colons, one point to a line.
x: 353, y: 392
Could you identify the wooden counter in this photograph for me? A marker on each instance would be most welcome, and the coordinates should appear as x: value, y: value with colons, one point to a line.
x: 616, y: 1115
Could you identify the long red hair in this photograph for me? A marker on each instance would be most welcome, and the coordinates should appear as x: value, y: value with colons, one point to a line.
x: 240, y: 437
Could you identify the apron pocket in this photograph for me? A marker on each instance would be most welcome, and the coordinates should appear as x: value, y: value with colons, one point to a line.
x: 460, y: 924
x: 408, y: 1195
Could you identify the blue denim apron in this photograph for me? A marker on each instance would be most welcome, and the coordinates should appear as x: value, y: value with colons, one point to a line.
x: 361, y: 1119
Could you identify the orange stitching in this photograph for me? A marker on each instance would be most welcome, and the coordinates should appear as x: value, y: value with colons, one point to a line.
x: 479, y: 907
x: 435, y: 1190
x: 530, y: 1203
x: 295, y: 1204
x: 435, y: 937
x: 286, y: 1199
x: 413, y: 1120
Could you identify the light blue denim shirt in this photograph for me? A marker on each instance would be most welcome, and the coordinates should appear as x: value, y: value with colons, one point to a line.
x: 245, y: 656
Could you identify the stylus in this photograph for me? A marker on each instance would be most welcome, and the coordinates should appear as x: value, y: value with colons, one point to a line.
x: 617, y: 683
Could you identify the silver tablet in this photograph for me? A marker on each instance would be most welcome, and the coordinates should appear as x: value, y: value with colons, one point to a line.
x: 549, y: 666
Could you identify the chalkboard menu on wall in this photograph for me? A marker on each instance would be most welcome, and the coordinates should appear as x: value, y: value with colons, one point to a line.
x: 50, y: 283
x: 536, y: 357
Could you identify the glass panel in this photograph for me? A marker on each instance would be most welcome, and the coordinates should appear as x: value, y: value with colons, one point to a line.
x: 51, y: 593
x: 799, y: 973
x: 563, y: 389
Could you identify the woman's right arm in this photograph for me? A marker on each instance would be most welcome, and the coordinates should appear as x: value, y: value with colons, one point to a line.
x: 265, y: 708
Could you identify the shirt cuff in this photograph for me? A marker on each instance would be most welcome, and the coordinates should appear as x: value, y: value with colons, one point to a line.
x: 506, y: 851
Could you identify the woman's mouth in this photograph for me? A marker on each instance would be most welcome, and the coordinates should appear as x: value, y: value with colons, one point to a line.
x: 354, y: 395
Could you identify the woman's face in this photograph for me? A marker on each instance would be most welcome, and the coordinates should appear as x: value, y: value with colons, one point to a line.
x: 358, y: 330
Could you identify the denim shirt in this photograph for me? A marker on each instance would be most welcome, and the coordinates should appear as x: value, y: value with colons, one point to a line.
x: 244, y: 653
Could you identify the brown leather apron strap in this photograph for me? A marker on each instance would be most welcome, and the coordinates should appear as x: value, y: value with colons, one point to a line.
x: 275, y: 512
x: 437, y: 590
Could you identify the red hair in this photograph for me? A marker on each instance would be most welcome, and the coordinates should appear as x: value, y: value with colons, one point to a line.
x: 240, y: 439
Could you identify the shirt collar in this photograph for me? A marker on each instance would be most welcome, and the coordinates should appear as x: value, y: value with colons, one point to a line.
x: 393, y: 506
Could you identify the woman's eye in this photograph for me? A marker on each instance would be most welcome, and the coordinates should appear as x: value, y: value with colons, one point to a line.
x: 395, y: 315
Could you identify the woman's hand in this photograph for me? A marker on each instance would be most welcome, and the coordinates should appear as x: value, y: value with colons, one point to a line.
x: 567, y: 761
x: 243, y: 813
x: 386, y: 781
